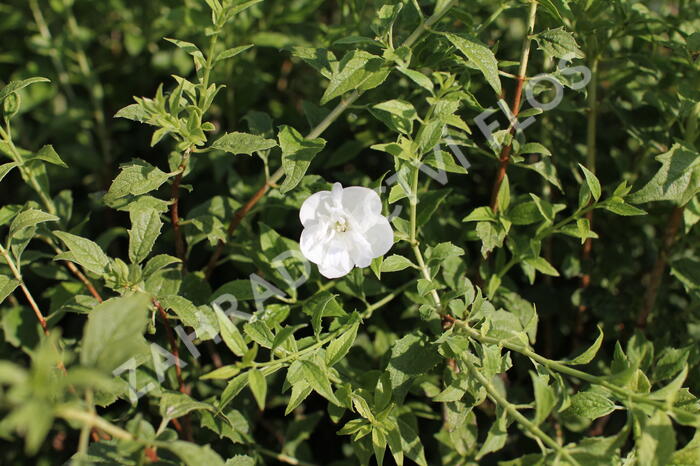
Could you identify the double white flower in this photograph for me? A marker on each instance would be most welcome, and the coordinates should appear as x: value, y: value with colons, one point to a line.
x: 344, y: 228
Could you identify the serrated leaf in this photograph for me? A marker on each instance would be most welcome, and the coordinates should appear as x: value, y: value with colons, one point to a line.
x: 48, y: 154
x: 657, y: 441
x: 395, y: 263
x: 14, y: 86
x: 398, y: 115
x: 7, y: 286
x: 591, y: 405
x: 315, y: 377
x: 134, y: 112
x: 677, y: 180
x: 192, y: 454
x: 85, y: 252
x: 297, y: 154
x: 29, y: 218
x: 145, y: 229
x: 558, y: 43
x: 357, y: 70
x: 243, y: 143
x: 480, y: 56
x: 114, y: 332
x: 136, y: 178
x: 175, y: 405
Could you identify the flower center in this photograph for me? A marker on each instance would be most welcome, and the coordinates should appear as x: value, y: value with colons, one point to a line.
x: 341, y: 225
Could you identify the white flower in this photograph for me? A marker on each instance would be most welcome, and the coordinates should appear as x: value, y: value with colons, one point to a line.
x: 344, y: 228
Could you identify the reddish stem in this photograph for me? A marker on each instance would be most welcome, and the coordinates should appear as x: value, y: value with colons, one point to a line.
x: 657, y: 273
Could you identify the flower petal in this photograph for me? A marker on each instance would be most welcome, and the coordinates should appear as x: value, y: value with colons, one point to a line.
x: 313, y: 206
x: 336, y: 262
x: 380, y: 236
x: 360, y: 248
x: 361, y: 205
x: 313, y: 242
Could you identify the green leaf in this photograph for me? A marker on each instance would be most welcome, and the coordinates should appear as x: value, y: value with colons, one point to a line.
x: 15, y: 86
x: 258, y: 386
x: 191, y: 49
x: 114, y: 332
x: 134, y: 112
x: 340, y: 346
x: 231, y: 335
x: 230, y: 53
x: 316, y: 378
x: 191, y: 454
x: 29, y: 218
x: 85, y: 252
x: 690, y: 454
x: 398, y: 115
x: 145, y: 229
x: 48, y: 154
x: 243, y: 143
x: 297, y: 154
x: 357, y: 70
x: 7, y: 286
x: 395, y: 263
x: 545, y: 397
x: 657, y: 442
x: 411, y: 356
x: 136, y: 178
x: 418, y: 78
x: 591, y: 405
x: 677, y: 180
x: 592, y: 182
x: 6, y: 167
x: 503, y: 198
x: 412, y: 446
x: 558, y: 43
x: 480, y: 56
x: 175, y: 405
x: 233, y: 388
x: 300, y: 391
x: 588, y: 355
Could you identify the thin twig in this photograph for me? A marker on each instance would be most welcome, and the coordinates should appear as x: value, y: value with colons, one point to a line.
x: 180, y: 246
x: 591, y: 137
x: 174, y: 348
x: 657, y: 273
x: 500, y: 400
x: 18, y: 276
x: 504, y: 159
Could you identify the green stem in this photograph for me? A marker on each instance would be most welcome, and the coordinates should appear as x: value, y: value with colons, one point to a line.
x: 95, y: 89
x: 591, y: 133
x: 366, y: 314
x: 26, y: 173
x: 282, y: 457
x: 621, y: 392
x: 18, y: 276
x: 93, y: 420
x: 45, y: 32
x: 427, y: 24
x: 492, y: 18
x: 85, y: 431
x: 502, y: 401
